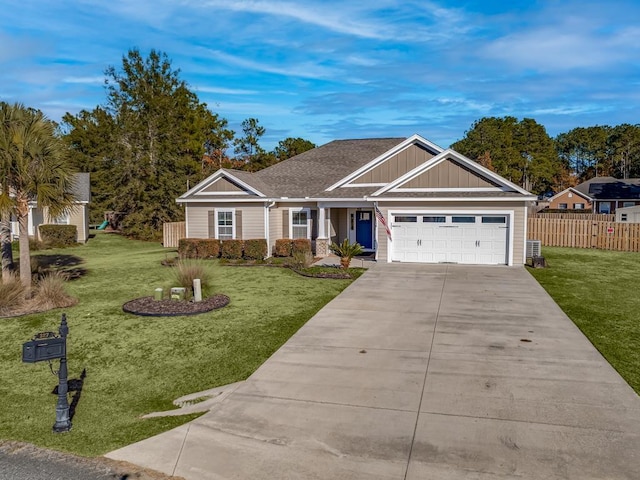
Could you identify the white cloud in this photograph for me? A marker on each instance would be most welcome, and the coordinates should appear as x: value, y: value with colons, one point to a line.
x: 225, y: 91
x: 85, y: 80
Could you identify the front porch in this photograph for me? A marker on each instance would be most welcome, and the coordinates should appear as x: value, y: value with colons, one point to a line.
x: 353, y: 222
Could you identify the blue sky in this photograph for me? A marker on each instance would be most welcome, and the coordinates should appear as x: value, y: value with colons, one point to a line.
x: 329, y: 69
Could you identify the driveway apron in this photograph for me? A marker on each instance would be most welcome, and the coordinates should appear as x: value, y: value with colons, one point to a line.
x: 418, y: 372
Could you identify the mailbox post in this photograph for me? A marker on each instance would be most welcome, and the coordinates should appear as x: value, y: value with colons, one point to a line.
x: 48, y: 346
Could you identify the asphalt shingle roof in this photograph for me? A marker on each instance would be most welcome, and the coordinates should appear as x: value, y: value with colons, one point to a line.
x: 310, y: 173
x: 606, y: 188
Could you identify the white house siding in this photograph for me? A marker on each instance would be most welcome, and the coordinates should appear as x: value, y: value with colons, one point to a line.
x: 518, y: 208
x: 252, y: 219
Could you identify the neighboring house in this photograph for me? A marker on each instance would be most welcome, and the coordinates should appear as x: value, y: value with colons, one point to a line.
x: 628, y: 214
x: 570, y: 199
x: 439, y: 205
x: 78, y: 215
x: 608, y: 193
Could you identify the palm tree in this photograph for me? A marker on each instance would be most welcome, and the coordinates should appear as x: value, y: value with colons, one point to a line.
x: 33, y: 168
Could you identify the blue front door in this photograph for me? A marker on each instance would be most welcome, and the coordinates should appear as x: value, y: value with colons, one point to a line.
x: 364, y: 229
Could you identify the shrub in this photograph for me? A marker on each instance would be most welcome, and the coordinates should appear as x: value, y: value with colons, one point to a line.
x: 255, y: 249
x: 301, y: 245
x: 57, y: 236
x: 302, y: 260
x: 51, y: 292
x: 186, y: 271
x: 283, y: 248
x: 199, y: 248
x: 11, y: 294
x: 231, y: 249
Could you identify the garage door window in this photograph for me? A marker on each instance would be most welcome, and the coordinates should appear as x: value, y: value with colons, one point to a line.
x: 463, y: 219
x: 494, y: 220
x: 406, y: 219
x: 430, y: 219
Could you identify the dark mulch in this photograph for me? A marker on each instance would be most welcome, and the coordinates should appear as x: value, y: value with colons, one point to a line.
x: 337, y: 275
x: 147, y: 306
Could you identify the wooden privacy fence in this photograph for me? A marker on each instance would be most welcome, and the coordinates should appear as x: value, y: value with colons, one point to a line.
x: 600, y: 217
x: 172, y: 232
x: 555, y: 232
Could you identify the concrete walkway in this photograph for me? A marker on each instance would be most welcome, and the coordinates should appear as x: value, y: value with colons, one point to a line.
x: 419, y: 372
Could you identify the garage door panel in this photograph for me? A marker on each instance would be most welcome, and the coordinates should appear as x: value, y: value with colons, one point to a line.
x: 472, y: 239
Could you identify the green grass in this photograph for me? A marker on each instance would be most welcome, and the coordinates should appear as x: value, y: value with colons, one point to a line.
x: 598, y: 290
x: 135, y: 365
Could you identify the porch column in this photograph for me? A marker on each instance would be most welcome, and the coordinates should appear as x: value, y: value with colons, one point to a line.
x: 322, y: 242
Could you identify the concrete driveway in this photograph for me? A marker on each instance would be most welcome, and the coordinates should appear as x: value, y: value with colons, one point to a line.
x: 419, y: 372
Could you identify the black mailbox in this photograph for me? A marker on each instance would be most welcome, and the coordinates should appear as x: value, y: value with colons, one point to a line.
x: 42, y: 349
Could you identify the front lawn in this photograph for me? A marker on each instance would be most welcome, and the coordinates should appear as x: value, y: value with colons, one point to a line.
x: 598, y: 290
x: 135, y: 365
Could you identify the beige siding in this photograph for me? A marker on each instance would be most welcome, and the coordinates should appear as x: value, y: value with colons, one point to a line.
x: 252, y: 219
x: 448, y: 174
x: 78, y: 216
x: 275, y: 227
x: 339, y: 229
x: 223, y: 185
x: 518, y: 208
x: 396, y: 166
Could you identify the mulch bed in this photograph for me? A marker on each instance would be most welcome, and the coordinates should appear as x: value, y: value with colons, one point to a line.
x: 148, y: 307
x: 337, y: 275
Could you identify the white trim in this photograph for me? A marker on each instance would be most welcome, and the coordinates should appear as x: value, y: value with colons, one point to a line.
x: 356, y: 185
x: 452, y: 211
x: 221, y: 193
x: 233, y: 221
x: 457, y: 189
x: 412, y: 140
x: 300, y: 209
x: 186, y: 220
x: 451, y: 199
x: 526, y: 235
x: 266, y: 227
x: 443, y: 156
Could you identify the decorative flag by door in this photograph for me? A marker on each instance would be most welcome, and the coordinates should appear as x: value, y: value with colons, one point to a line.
x: 381, y: 219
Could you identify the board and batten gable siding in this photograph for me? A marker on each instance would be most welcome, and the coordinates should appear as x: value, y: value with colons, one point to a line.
x: 519, y: 214
x: 222, y: 185
x: 251, y: 215
x: 447, y: 174
x: 395, y: 166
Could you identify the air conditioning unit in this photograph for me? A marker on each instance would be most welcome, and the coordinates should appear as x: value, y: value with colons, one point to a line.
x: 533, y: 248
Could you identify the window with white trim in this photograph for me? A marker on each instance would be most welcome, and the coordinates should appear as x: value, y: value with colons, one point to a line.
x: 578, y: 206
x: 300, y: 222
x: 225, y: 228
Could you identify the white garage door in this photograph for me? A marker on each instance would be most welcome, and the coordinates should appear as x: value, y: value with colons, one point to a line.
x: 455, y: 238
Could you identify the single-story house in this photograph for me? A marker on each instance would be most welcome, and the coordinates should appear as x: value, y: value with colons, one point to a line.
x: 628, y: 214
x: 570, y: 199
x: 78, y: 215
x: 609, y: 193
x: 438, y: 205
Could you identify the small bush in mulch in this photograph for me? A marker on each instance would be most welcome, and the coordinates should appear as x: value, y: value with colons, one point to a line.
x: 148, y: 307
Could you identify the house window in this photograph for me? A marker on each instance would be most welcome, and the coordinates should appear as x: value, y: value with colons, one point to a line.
x: 300, y: 223
x: 61, y: 219
x: 578, y: 206
x: 623, y: 217
x: 225, y: 229
x: 628, y: 204
x: 604, y: 207
x: 562, y: 206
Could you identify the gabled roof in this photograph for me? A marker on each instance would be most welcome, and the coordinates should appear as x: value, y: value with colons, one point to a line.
x: 356, y: 169
x: 610, y: 188
x: 499, y: 183
x: 574, y: 190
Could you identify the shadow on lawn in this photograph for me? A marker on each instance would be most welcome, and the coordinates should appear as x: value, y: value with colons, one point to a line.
x: 74, y: 385
x: 67, y: 264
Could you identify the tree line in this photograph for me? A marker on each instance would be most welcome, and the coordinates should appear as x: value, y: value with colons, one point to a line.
x: 525, y: 154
